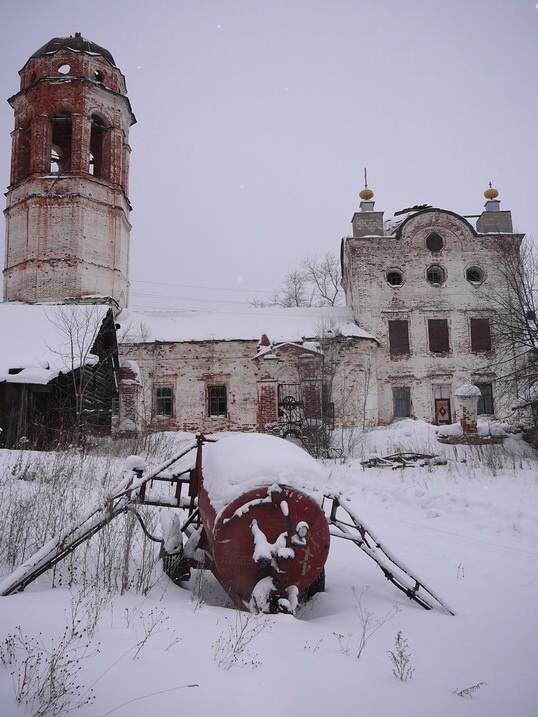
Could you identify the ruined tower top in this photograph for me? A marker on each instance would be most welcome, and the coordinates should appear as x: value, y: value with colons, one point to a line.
x: 71, y: 58
x: 74, y: 42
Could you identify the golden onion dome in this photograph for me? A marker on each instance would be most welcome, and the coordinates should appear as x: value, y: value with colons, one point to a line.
x: 491, y: 192
x: 366, y: 194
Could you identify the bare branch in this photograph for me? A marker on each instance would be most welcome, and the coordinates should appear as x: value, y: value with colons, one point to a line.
x: 316, y: 283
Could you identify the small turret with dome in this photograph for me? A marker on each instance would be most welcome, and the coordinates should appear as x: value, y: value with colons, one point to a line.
x: 367, y: 222
x: 492, y: 219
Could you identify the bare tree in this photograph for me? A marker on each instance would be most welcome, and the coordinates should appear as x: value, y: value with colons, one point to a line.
x: 325, y: 277
x: 295, y: 290
x: 315, y: 283
x: 514, y: 301
x: 86, y: 354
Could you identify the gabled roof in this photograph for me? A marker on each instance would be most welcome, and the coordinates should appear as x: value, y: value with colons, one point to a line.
x: 279, y: 324
x: 306, y: 348
x: 40, y: 341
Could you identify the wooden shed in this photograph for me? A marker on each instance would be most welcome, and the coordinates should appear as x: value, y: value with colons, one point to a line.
x: 58, y: 373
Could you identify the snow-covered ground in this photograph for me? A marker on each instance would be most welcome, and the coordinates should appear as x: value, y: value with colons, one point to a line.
x: 468, y: 527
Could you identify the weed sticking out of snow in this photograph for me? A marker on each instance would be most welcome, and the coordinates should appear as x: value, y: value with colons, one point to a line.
x: 400, y: 659
x: 369, y: 623
x: 233, y: 648
x: 45, y: 673
x: 470, y: 691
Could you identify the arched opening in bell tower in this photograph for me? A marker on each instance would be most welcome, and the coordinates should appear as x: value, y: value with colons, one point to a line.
x: 60, y: 155
x: 22, y: 157
x: 99, y: 151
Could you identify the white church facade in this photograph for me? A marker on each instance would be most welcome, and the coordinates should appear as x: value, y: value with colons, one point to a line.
x: 418, y: 322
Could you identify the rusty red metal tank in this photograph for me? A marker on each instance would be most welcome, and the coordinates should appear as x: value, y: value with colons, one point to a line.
x: 259, y: 499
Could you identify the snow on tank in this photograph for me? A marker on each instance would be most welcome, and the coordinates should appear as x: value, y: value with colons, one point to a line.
x: 241, y: 462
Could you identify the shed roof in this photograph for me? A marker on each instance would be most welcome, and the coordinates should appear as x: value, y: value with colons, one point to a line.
x: 40, y: 341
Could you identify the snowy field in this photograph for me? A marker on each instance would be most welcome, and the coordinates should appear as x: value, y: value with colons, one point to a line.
x: 468, y: 527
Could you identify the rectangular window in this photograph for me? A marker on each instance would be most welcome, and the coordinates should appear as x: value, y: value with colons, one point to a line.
x: 402, y: 402
x: 164, y: 401
x: 485, y: 402
x: 438, y: 336
x: 480, y: 335
x: 217, y: 405
x: 399, y: 337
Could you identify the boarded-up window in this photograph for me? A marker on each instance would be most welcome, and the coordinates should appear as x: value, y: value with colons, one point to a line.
x: 438, y: 336
x: 485, y: 402
x: 402, y: 402
x: 399, y: 337
x: 480, y: 335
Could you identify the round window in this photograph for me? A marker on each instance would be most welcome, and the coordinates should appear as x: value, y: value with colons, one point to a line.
x: 395, y: 277
x: 436, y: 275
x: 434, y: 242
x: 64, y: 69
x: 474, y: 275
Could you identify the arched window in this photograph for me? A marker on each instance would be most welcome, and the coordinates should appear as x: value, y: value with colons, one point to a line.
x: 60, y: 156
x: 99, y: 160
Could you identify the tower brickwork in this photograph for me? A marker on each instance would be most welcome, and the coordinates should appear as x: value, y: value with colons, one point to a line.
x: 67, y: 212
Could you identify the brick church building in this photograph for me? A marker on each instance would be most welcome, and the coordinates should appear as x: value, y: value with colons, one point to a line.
x: 417, y: 325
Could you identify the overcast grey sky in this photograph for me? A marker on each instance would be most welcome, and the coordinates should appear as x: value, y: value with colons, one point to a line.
x: 256, y: 119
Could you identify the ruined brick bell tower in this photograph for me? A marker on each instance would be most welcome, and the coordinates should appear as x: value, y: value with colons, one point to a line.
x: 67, y: 213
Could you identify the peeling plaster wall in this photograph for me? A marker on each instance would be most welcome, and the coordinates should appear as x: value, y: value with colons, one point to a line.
x: 375, y: 302
x: 251, y: 383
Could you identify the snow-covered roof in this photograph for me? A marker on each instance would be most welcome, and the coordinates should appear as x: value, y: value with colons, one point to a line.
x: 36, y: 339
x: 279, y: 324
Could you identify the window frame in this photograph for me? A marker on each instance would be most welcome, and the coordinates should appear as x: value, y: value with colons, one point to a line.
x: 401, y: 400
x: 481, y: 273
x: 486, y: 399
x: 393, y: 273
x: 168, y: 412
x: 442, y: 272
x: 221, y: 401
